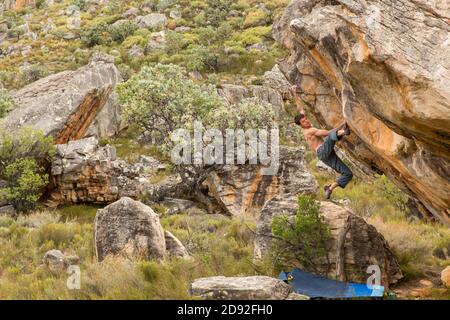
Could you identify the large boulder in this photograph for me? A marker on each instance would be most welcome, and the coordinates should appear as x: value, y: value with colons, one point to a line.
x: 240, y: 188
x: 152, y: 21
x: 383, y: 67
x: 72, y: 104
x: 84, y: 172
x: 130, y: 229
x: 240, y: 288
x: 174, y: 246
x: 355, y: 244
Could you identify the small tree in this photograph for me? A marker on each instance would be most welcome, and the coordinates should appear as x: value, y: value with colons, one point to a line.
x: 160, y: 100
x: 6, y: 103
x: 23, y: 156
x: 301, y: 240
x: 217, y: 11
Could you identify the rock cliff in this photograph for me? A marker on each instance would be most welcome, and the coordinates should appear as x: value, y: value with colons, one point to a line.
x: 383, y: 67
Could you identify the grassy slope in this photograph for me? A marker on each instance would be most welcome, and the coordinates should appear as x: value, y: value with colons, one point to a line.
x: 219, y: 245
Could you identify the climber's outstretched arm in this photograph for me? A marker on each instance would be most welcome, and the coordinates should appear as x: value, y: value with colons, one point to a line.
x: 297, y: 99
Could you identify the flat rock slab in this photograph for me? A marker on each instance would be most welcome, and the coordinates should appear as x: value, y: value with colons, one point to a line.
x: 240, y: 288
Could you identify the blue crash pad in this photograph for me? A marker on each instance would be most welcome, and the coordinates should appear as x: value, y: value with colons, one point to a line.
x: 315, y: 286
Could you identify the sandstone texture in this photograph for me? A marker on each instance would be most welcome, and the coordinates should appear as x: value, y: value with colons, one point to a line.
x: 84, y: 172
x: 382, y: 66
x: 239, y: 188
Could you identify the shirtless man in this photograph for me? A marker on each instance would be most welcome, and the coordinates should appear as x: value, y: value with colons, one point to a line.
x: 324, y: 148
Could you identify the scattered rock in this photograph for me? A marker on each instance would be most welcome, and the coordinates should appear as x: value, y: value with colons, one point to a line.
x: 276, y: 80
x: 363, y: 245
x: 426, y: 283
x: 57, y: 262
x: 8, y: 210
x: 183, y: 29
x: 157, y: 40
x: 258, y: 47
x: 240, y: 288
x: 175, y: 206
x: 235, y: 93
x: 49, y: 26
x: 131, y: 13
x: 175, y: 14
x: 54, y: 260
x: 174, y: 246
x: 445, y: 277
x: 136, y: 51
x: 195, y: 75
x: 130, y: 229
x: 152, y: 21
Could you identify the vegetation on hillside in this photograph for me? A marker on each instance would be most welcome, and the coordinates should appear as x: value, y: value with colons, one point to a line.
x: 202, y: 37
x: 23, y: 157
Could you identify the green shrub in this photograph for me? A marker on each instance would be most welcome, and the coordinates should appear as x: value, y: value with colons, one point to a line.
x: 217, y: 11
x: 6, y: 103
x: 302, y: 240
x: 122, y: 31
x: 96, y: 35
x: 32, y: 73
x: 203, y: 60
x: 390, y: 191
x: 24, y: 183
x: 22, y: 159
x: 256, y: 18
x: 40, y: 4
x: 81, y: 4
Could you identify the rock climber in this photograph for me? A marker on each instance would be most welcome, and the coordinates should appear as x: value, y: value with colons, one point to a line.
x: 324, y: 147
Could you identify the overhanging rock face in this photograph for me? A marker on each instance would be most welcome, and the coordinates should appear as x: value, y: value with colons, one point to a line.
x: 72, y: 104
x: 383, y: 67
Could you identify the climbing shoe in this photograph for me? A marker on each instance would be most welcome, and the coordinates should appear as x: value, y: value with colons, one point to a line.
x: 328, y: 192
x: 347, y: 130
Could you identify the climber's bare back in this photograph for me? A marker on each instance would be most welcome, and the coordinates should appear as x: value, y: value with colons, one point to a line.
x: 312, y: 138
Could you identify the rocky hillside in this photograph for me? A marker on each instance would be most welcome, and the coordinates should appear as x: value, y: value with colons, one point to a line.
x: 383, y: 67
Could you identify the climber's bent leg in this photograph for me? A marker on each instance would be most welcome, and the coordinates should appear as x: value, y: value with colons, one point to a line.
x: 327, y: 148
x: 346, y: 174
x: 339, y: 166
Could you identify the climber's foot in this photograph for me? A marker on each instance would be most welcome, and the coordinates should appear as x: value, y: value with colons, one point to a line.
x: 328, y: 192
